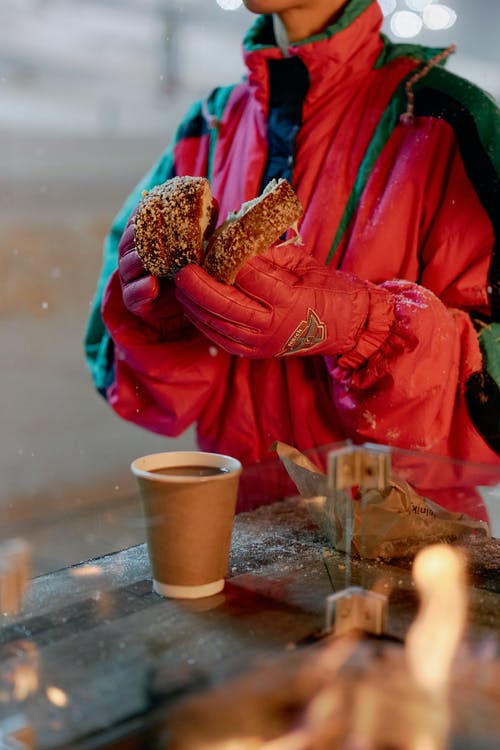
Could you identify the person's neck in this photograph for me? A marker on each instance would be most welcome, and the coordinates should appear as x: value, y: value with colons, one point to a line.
x: 303, y: 22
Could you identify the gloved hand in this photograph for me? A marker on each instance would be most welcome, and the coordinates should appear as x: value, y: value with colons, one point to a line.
x: 284, y: 303
x: 149, y: 297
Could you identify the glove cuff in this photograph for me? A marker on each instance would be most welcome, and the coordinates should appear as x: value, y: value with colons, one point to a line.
x: 378, y: 326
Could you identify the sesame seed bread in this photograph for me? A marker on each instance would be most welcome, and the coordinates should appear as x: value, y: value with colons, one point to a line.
x: 174, y: 226
x: 257, y: 226
x: 171, y: 222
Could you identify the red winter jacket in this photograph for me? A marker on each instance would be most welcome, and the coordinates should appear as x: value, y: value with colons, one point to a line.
x: 396, y: 162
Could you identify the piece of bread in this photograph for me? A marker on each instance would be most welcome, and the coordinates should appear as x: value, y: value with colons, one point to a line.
x: 174, y: 226
x: 172, y: 222
x: 257, y: 226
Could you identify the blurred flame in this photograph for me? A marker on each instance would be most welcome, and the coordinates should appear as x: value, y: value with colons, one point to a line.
x: 86, y: 570
x: 20, y: 671
x: 433, y: 638
x: 25, y: 681
x: 57, y: 696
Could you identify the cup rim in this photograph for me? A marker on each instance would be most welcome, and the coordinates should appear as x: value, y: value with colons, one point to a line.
x: 189, y: 458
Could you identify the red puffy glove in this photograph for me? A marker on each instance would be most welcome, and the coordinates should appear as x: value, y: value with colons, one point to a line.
x: 284, y: 303
x: 149, y: 297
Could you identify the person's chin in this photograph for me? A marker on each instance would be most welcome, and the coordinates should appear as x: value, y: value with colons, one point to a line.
x: 266, y: 6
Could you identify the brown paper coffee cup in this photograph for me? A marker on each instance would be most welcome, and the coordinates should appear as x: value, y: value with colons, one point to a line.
x: 189, y: 520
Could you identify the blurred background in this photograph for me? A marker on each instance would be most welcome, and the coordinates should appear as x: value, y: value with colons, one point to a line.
x: 90, y: 93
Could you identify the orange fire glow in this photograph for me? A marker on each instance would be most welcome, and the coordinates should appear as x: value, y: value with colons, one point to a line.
x: 432, y: 641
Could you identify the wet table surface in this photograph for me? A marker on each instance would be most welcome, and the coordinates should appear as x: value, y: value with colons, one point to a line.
x: 113, y: 649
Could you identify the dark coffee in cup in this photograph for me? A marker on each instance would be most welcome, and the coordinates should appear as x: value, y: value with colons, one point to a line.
x: 190, y: 471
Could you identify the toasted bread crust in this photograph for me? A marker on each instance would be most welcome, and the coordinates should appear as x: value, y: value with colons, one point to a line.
x: 237, y: 240
x: 170, y: 224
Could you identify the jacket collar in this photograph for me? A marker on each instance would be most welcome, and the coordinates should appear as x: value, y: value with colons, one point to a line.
x: 353, y: 41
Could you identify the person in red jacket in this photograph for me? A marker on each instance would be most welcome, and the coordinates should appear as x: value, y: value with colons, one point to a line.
x: 384, y: 325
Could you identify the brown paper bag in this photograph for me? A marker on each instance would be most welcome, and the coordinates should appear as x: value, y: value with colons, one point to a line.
x: 389, y: 523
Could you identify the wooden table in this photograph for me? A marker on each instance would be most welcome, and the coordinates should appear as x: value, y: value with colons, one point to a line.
x: 119, y: 653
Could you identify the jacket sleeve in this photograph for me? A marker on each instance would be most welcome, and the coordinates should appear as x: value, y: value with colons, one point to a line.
x: 98, y: 346
x: 433, y: 384
x: 181, y: 154
x: 158, y: 384
x: 412, y: 391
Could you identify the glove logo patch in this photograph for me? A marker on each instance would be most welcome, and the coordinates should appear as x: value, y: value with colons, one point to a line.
x: 309, y: 333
